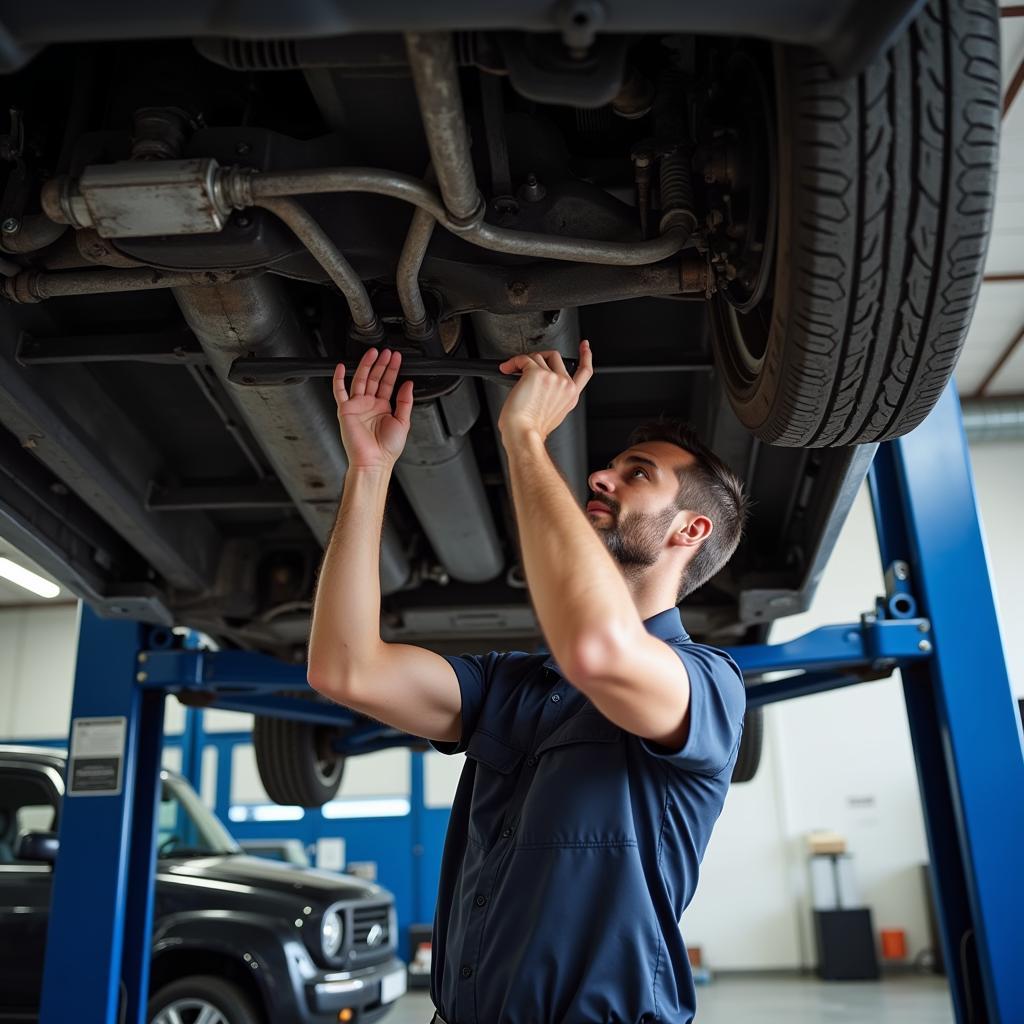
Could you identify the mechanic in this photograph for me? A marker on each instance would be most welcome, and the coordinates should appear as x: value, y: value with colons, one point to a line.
x: 594, y: 775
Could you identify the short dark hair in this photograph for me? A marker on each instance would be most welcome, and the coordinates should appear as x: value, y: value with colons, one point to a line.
x: 709, y: 488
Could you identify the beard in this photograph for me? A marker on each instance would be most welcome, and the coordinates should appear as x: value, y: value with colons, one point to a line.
x: 637, y: 539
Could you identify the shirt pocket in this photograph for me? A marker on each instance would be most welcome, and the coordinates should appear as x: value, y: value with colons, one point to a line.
x: 579, y: 795
x: 494, y: 783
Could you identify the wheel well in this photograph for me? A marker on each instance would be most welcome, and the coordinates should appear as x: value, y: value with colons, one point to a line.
x: 175, y: 964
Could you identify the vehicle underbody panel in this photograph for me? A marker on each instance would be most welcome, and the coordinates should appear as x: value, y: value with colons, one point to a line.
x: 209, y: 207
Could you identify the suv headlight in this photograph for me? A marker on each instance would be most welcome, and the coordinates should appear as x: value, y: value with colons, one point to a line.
x: 332, y: 931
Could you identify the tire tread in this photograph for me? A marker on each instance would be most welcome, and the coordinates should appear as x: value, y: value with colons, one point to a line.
x: 894, y: 189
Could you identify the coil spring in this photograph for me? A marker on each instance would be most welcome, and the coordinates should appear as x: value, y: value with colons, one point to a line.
x: 676, y: 184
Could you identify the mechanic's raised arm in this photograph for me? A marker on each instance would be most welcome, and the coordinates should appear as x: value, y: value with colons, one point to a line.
x: 584, y: 607
x: 578, y: 592
x: 407, y: 687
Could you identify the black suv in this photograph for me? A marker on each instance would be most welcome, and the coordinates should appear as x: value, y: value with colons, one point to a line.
x: 236, y: 939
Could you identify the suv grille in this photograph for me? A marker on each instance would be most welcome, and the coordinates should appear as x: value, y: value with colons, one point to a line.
x: 371, y: 929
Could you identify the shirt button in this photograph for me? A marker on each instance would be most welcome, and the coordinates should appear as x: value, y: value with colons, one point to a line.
x: 506, y: 833
x: 531, y: 761
x: 466, y: 970
x: 555, y: 698
x: 481, y: 900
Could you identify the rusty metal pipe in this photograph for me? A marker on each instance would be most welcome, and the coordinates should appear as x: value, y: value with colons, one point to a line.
x: 579, y: 250
x: 421, y: 229
x: 36, y: 286
x: 327, y: 254
x: 436, y: 78
x: 410, y: 262
x: 244, y: 190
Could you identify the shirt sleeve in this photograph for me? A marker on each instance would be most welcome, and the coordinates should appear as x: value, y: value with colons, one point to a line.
x: 718, y: 700
x: 474, y: 672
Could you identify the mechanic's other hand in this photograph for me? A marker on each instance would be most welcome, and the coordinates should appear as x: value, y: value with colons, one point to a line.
x: 545, y: 393
x: 372, y: 435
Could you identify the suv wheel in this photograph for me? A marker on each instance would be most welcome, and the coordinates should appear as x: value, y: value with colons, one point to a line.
x: 201, y: 1000
x: 296, y: 761
x: 878, y: 218
x: 751, y: 743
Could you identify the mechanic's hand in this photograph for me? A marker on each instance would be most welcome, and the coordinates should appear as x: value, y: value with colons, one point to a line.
x: 373, y: 437
x: 545, y: 393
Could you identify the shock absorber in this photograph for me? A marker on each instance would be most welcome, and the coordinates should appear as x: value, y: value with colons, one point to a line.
x: 675, y: 149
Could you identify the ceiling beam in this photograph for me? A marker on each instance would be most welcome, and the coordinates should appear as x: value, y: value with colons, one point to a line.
x: 1015, y: 83
x: 1003, y: 359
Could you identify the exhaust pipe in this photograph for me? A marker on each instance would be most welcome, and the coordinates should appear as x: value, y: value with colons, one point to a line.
x: 501, y: 336
x: 440, y: 477
x: 296, y: 426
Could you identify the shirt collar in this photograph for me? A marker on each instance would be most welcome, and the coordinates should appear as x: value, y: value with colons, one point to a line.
x: 666, y: 625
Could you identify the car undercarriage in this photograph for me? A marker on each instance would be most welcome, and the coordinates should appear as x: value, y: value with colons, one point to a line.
x: 194, y: 231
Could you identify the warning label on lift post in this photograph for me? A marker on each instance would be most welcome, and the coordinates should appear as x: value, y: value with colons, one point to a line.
x: 97, y: 756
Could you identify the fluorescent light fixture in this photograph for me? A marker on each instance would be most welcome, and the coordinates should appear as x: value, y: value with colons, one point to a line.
x: 29, y: 580
x: 388, y: 808
x: 265, y: 812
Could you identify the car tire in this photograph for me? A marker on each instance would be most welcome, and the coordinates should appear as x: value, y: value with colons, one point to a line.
x: 188, y: 997
x: 751, y: 743
x: 295, y: 762
x: 886, y: 185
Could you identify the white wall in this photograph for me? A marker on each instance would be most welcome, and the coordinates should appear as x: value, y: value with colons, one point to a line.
x: 37, y: 669
x: 841, y: 760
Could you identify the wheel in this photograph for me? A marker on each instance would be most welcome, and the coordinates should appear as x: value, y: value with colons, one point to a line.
x: 751, y: 742
x: 201, y: 1000
x: 296, y: 762
x: 878, y: 220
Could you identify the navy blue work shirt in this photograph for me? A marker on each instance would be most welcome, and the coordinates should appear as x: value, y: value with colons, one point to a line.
x: 573, y: 846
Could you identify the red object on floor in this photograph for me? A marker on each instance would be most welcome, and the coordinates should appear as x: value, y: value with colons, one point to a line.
x: 894, y: 944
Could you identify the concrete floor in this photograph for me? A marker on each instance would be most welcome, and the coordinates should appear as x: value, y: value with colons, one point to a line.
x: 785, y: 1000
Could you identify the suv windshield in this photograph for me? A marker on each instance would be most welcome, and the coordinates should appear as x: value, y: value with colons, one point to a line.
x: 186, y: 827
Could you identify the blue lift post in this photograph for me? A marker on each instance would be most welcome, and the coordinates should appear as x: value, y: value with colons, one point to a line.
x: 192, y: 735
x: 963, y: 718
x: 937, y: 623
x: 101, y: 913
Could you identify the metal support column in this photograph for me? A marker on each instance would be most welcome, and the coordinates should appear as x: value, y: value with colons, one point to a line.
x: 192, y: 741
x: 963, y: 719
x: 417, y: 796
x: 193, y: 736
x: 98, y: 938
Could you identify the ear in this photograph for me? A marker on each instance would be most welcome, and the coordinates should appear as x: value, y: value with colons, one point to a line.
x: 692, y: 532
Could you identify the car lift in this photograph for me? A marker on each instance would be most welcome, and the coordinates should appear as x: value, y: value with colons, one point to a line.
x: 937, y: 624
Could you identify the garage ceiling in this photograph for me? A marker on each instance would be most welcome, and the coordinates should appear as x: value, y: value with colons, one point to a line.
x: 992, y: 363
